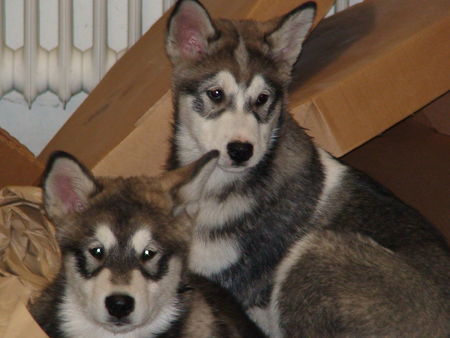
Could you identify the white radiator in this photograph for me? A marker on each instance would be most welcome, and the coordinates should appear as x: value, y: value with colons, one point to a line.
x: 65, y: 66
x: 34, y: 63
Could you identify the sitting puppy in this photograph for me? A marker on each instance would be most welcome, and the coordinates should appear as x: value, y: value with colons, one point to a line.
x: 124, y: 259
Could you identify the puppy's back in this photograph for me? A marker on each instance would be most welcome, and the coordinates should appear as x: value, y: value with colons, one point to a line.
x: 348, y: 285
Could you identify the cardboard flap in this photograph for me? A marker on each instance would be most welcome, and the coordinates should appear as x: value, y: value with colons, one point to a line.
x: 370, y: 66
x: 19, y: 166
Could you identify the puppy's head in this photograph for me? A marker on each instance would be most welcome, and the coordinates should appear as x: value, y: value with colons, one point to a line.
x: 230, y: 81
x: 124, y: 251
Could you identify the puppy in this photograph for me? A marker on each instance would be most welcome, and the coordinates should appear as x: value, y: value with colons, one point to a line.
x: 309, y: 246
x: 124, y: 259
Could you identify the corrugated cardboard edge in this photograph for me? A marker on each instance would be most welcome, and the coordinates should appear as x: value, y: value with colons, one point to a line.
x: 436, y: 115
x: 339, y: 138
x: 19, y: 165
x: 11, y: 142
x: 144, y: 150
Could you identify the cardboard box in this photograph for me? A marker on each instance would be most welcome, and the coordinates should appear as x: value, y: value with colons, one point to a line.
x: 436, y: 115
x: 369, y: 67
x: 18, y: 165
x: 413, y: 161
x: 361, y: 71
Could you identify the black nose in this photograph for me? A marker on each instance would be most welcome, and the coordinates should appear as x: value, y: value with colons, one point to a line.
x: 240, y: 151
x: 119, y: 305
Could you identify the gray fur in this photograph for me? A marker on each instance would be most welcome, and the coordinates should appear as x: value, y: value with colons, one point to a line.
x: 313, y: 248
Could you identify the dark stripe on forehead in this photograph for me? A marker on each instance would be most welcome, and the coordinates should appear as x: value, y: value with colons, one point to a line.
x: 272, y: 83
x: 258, y: 64
x: 121, y: 262
x: 191, y: 86
x: 242, y: 58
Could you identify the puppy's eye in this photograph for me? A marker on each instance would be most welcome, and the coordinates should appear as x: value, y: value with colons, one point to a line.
x: 147, y: 254
x: 97, y: 252
x: 261, y: 99
x: 216, y: 95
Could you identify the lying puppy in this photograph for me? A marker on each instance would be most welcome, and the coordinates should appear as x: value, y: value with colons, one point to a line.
x: 124, y: 259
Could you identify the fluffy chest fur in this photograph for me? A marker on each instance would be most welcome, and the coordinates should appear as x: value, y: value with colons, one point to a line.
x: 245, y: 228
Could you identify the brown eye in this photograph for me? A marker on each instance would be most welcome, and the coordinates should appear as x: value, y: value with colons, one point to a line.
x: 97, y: 252
x: 147, y: 255
x: 262, y: 98
x: 215, y: 95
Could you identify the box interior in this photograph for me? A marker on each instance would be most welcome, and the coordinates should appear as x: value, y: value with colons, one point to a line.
x: 412, y: 160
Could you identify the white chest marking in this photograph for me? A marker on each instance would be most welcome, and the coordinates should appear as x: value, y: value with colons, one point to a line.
x: 212, y: 256
x: 333, y: 171
x: 215, y: 214
x: 263, y: 318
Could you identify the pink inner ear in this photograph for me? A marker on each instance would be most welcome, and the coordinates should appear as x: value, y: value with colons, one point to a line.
x: 66, y: 193
x: 191, y: 44
x: 190, y: 33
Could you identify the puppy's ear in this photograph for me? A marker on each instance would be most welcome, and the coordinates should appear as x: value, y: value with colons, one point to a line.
x: 189, y: 31
x: 67, y: 185
x: 287, y: 38
x: 186, y: 184
x: 184, y: 187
